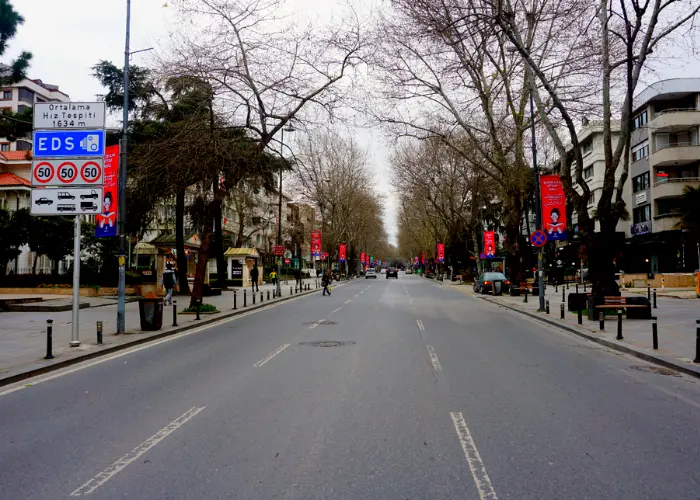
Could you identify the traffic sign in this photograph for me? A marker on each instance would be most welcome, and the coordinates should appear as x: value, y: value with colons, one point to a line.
x: 67, y: 201
x: 538, y: 238
x: 68, y: 143
x: 67, y: 172
x: 69, y: 115
x: 287, y: 261
x: 278, y: 250
x: 288, y: 254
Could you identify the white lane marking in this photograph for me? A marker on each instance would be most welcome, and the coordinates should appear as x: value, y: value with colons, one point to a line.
x: 336, y: 310
x: 420, y: 324
x: 28, y: 383
x: 476, y: 466
x: 272, y: 355
x: 434, y: 359
x: 410, y: 301
x: 348, y: 301
x: 134, y: 454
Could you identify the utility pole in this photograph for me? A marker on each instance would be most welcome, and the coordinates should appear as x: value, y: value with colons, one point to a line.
x: 538, y: 205
x: 288, y: 128
x: 121, y: 288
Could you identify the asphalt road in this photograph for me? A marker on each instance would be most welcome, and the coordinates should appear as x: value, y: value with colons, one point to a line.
x: 434, y: 394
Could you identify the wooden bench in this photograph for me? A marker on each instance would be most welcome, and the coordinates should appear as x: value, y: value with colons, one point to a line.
x: 618, y: 303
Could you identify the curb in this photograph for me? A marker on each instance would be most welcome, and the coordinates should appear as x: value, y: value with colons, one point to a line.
x: 127, y: 345
x: 666, y: 363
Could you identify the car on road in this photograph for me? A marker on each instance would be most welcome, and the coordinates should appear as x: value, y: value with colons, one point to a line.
x: 370, y: 273
x: 496, y: 283
x: 44, y: 201
x: 409, y: 270
x: 392, y: 272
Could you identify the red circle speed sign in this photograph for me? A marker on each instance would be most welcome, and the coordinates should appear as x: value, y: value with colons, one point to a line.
x: 43, y: 172
x: 90, y: 172
x: 67, y: 172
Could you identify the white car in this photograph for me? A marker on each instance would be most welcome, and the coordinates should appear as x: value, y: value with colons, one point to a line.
x: 370, y: 273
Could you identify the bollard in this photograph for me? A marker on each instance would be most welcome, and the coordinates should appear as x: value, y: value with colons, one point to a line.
x: 274, y: 294
x: 654, y: 333
x: 584, y: 287
x: 601, y: 320
x: 99, y: 332
x: 697, y: 341
x: 245, y: 298
x: 268, y: 295
x: 525, y: 298
x: 649, y: 292
x: 199, y: 303
x: 619, y: 325
x: 290, y: 290
x: 49, y: 339
x: 563, y: 294
x: 295, y: 290
x: 252, y: 294
x: 654, y: 298
x: 562, y: 310
x: 174, y: 315
x: 567, y: 285
x: 556, y: 287
x: 546, y: 306
x: 234, y: 298
x: 576, y: 287
x: 580, y: 315
x: 261, y: 297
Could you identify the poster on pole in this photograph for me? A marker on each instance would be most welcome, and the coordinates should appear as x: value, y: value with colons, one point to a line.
x: 489, y: 244
x: 316, y: 243
x: 363, y: 257
x: 553, y: 207
x: 342, y: 252
x: 441, y: 252
x: 422, y: 258
x: 106, y: 220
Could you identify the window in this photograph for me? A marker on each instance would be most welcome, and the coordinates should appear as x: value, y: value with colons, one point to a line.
x: 26, y: 95
x: 588, y: 172
x: 642, y: 214
x: 640, y: 120
x: 256, y: 220
x: 591, y: 200
x: 586, y: 147
x: 7, y: 95
x: 5, y: 146
x: 641, y: 182
x: 640, y: 151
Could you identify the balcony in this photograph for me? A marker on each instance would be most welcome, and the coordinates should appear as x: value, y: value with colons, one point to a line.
x: 676, y: 153
x: 673, y: 187
x: 671, y: 120
x: 666, y: 222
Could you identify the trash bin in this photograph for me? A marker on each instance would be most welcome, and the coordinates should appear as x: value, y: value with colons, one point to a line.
x: 151, y: 314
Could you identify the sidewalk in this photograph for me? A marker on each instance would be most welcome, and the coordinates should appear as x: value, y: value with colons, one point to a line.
x: 676, y: 326
x: 23, y: 334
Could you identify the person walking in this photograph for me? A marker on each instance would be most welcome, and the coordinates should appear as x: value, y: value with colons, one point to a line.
x: 326, y: 282
x: 273, y: 277
x: 254, y: 278
x: 169, y: 280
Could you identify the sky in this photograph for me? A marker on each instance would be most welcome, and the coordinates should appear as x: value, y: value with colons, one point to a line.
x: 68, y: 37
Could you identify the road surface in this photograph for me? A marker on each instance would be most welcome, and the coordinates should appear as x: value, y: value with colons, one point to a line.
x: 431, y: 394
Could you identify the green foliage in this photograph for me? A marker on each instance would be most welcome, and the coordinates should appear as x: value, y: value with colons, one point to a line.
x: 14, y: 227
x: 141, y: 90
x: 202, y: 308
x: 51, y: 236
x: 690, y: 210
x: 10, y: 20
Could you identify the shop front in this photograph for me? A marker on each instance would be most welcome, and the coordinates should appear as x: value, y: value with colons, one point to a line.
x: 240, y: 263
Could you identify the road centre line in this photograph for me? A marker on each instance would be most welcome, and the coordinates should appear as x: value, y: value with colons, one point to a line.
x: 336, y: 310
x: 134, y: 454
x: 420, y: 325
x: 434, y: 359
x: 348, y: 301
x: 274, y: 353
x: 476, y: 465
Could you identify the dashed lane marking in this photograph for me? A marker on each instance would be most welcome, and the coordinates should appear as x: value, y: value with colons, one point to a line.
x: 420, y: 325
x: 272, y: 355
x: 434, y: 359
x: 476, y: 465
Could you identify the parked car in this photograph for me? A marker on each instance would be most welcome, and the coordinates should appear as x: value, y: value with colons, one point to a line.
x: 370, y: 273
x: 392, y: 272
x: 496, y: 283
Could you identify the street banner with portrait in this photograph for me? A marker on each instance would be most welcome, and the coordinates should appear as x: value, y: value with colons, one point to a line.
x: 342, y: 253
x: 422, y: 258
x: 441, y: 252
x: 106, y: 220
x: 489, y: 244
x: 553, y: 207
x: 316, y: 243
x: 363, y: 257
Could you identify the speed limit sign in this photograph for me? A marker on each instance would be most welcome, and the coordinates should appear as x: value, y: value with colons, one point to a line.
x: 67, y: 172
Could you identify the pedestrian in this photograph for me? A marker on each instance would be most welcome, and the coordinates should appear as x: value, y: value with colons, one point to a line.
x: 254, y: 278
x: 273, y: 277
x: 326, y: 282
x: 169, y: 280
x: 297, y: 275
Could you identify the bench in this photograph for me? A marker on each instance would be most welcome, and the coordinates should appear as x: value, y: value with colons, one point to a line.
x: 516, y: 291
x: 636, y: 307
x: 617, y: 303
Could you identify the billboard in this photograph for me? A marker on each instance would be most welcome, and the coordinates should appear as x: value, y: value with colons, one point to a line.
x: 489, y: 244
x: 553, y: 207
x: 316, y: 243
x: 441, y: 252
x: 106, y: 220
x: 342, y: 252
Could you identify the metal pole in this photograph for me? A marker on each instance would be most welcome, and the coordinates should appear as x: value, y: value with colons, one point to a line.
x: 538, y: 204
x: 234, y: 299
x: 619, y: 325
x: 279, y: 226
x: 75, y: 325
x: 174, y: 312
x: 121, y: 206
x: 654, y: 333
x: 562, y: 310
x: 654, y: 298
x: 49, y: 339
x: 546, y: 306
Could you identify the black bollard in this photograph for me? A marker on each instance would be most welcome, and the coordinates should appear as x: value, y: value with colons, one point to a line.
x: 234, y: 299
x: 261, y: 297
x: 649, y: 292
x: 619, y: 325
x: 174, y: 315
x: 654, y: 333
x: 245, y: 298
x: 580, y: 315
x: 563, y: 294
x: 697, y: 341
x: 576, y: 287
x: 584, y: 287
x: 253, y: 295
x: 546, y: 306
x: 525, y: 299
x: 601, y: 320
x: 567, y: 285
x: 562, y: 310
x: 49, y: 339
x: 556, y: 287
x: 654, y: 298
x: 290, y: 290
x: 268, y: 295
x: 99, y: 332
x: 199, y: 303
x: 274, y: 294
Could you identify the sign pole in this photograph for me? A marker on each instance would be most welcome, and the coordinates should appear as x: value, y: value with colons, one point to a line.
x: 538, y: 207
x: 75, y: 325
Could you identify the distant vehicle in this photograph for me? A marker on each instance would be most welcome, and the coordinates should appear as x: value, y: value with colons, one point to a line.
x: 496, y: 283
x: 44, y: 201
x: 392, y: 272
x: 65, y: 195
x: 370, y: 273
x: 409, y: 270
x: 91, y: 196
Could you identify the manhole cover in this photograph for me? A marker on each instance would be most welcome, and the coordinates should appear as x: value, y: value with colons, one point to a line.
x: 656, y: 369
x: 326, y: 343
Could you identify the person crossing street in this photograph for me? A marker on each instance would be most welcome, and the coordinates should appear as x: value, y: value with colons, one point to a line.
x: 326, y: 282
x: 169, y: 280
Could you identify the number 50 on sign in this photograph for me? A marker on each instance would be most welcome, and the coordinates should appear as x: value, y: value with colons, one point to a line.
x: 67, y: 172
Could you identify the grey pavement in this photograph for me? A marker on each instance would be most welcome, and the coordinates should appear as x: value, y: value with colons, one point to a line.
x: 431, y: 394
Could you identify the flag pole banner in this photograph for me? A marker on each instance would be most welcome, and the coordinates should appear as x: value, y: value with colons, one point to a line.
x: 441, y: 252
x: 342, y: 253
x: 489, y: 244
x: 316, y: 243
x: 106, y: 221
x: 553, y: 207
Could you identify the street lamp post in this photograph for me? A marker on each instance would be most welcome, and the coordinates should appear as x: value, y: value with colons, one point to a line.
x: 288, y: 128
x: 538, y: 205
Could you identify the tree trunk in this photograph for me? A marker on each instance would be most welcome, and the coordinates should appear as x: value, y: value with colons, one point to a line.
x: 180, y: 242
x: 479, y: 264
x: 219, y: 248
x: 202, y: 262
x: 512, y: 228
x: 36, y: 258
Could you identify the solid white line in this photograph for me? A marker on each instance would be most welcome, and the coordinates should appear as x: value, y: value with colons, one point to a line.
x: 336, y: 310
x: 476, y: 466
x: 420, y: 325
x: 268, y: 358
x: 348, y: 301
x: 134, y: 454
x: 434, y: 359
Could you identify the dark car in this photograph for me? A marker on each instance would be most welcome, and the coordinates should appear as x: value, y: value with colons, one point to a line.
x: 392, y: 272
x: 495, y: 283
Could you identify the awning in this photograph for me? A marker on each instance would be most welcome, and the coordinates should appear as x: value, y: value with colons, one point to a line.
x: 168, y: 240
x: 242, y: 252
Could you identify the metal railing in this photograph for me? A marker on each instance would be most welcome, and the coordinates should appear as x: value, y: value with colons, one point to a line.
x: 676, y: 145
x: 675, y: 110
x: 668, y: 180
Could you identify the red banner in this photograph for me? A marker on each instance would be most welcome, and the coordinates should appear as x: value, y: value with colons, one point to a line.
x: 316, y: 243
x: 422, y: 258
x: 441, y: 252
x: 489, y: 243
x: 106, y: 221
x: 278, y: 250
x: 553, y: 207
x: 342, y: 253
